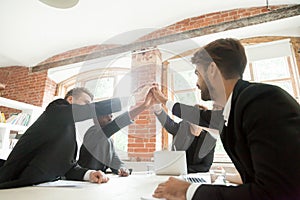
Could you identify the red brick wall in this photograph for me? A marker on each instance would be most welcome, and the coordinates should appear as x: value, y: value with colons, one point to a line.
x: 208, y: 20
x: 22, y: 85
x: 142, y: 134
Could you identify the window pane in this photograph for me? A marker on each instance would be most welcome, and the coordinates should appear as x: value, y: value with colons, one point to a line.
x: 286, y: 85
x: 188, y: 98
x: 247, y: 75
x: 270, y: 69
x: 101, y: 88
x: 184, y: 80
x: 121, y: 139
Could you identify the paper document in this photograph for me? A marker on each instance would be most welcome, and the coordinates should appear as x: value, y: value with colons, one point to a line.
x: 64, y: 183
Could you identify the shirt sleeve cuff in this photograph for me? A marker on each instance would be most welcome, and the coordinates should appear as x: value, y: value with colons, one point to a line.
x: 170, y: 104
x: 191, y: 191
x: 86, y: 176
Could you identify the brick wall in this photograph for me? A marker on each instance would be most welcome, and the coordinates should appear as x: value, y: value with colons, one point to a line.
x: 208, y: 20
x: 22, y: 85
x: 146, y: 67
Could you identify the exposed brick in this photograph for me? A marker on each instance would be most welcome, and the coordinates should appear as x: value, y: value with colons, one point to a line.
x: 24, y: 86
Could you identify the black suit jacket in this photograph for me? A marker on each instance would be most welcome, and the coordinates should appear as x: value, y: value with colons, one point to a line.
x: 97, y: 151
x: 263, y: 141
x: 47, y: 150
x: 199, y: 149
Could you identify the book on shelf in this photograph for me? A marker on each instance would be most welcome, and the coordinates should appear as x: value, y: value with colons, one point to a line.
x: 2, y: 117
x: 19, y: 119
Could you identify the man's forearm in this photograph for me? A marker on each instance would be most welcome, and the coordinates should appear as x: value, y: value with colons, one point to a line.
x: 136, y: 111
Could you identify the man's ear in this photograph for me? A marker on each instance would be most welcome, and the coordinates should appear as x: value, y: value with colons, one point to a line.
x: 213, y: 69
x: 70, y: 99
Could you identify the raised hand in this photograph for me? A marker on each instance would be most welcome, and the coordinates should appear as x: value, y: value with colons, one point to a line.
x: 158, y: 95
x: 141, y: 92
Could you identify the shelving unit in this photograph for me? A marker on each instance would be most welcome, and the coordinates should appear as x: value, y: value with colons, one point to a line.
x: 6, y: 128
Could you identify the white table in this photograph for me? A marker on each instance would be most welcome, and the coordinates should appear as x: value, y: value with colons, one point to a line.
x: 117, y: 188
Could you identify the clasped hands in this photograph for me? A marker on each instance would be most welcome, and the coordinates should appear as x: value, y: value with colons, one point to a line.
x: 150, y: 94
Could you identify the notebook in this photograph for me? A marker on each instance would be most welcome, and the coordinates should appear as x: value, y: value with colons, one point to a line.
x: 203, y: 178
x: 170, y: 163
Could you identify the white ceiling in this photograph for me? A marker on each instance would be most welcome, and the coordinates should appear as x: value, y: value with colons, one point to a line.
x: 32, y: 31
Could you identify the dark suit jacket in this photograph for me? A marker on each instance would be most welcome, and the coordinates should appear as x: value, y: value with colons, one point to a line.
x: 263, y: 141
x: 199, y: 150
x: 47, y: 150
x: 97, y: 151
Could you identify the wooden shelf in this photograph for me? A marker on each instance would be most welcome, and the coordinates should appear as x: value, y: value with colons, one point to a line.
x: 13, y: 127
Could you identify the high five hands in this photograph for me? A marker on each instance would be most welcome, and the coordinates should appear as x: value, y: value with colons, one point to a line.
x: 153, y: 95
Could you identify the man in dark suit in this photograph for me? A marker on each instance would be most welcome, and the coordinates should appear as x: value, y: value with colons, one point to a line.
x: 97, y: 151
x: 47, y: 150
x: 261, y: 133
x: 198, y: 143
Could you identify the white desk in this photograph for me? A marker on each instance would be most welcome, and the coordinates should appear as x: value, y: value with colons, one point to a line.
x: 117, y: 188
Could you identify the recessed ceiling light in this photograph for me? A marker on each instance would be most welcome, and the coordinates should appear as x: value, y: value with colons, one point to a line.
x: 60, y: 3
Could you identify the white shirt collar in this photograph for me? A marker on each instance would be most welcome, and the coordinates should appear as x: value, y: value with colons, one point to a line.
x: 227, y: 108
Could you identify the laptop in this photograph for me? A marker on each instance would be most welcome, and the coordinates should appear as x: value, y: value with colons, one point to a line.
x: 170, y: 163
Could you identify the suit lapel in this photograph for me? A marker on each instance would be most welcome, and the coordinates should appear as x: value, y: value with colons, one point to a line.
x: 228, y: 134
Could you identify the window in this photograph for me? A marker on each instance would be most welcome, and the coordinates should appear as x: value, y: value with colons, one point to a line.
x: 102, y: 84
x: 276, y: 71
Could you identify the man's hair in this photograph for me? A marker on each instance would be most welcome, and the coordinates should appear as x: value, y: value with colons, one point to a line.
x: 76, y: 92
x: 228, y: 54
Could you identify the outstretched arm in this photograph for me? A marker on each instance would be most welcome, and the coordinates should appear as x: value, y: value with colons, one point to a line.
x: 171, y: 126
x: 149, y: 101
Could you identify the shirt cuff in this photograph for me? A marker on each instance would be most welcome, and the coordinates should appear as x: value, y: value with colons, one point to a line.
x: 86, y: 176
x: 170, y: 104
x: 191, y: 191
x: 157, y: 108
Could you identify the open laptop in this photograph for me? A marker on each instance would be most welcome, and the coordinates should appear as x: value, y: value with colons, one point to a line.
x: 170, y: 163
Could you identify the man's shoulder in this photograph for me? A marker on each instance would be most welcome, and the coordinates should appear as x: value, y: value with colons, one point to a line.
x: 257, y: 90
x: 57, y: 102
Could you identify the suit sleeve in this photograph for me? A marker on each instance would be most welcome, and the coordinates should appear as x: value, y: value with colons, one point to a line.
x: 65, y: 112
x: 184, y: 138
x: 76, y: 173
x: 117, y: 124
x: 205, y: 118
x: 171, y: 126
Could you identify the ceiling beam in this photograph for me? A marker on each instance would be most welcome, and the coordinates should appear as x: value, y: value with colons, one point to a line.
x: 273, y: 15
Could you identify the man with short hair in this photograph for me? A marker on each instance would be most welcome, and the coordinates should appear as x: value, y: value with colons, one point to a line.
x: 261, y: 130
x: 47, y: 150
x: 198, y: 144
x: 97, y: 151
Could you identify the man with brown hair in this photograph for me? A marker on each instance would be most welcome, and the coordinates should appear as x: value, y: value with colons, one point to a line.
x: 47, y: 150
x: 261, y: 130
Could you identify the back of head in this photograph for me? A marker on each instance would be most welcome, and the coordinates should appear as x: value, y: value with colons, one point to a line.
x: 228, y: 54
x: 77, y: 92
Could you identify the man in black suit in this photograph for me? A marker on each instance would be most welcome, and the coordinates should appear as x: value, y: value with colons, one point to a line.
x: 198, y: 143
x: 97, y: 151
x: 47, y: 150
x: 261, y: 132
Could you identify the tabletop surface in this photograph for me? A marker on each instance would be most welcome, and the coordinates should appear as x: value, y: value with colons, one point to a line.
x: 132, y: 187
